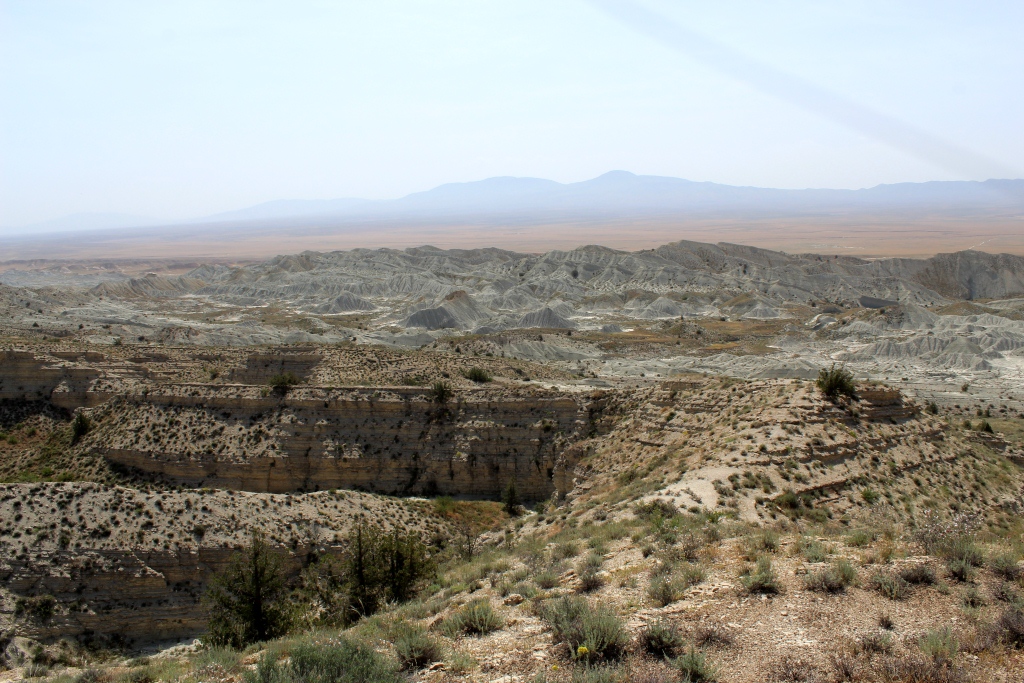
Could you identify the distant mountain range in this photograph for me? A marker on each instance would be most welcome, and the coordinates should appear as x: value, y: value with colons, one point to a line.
x: 612, y: 195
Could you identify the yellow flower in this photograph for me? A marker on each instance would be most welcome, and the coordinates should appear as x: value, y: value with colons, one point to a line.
x: 582, y: 650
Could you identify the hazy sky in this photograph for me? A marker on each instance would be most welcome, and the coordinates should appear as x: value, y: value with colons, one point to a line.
x: 177, y: 109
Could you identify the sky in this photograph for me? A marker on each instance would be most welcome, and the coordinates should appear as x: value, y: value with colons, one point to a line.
x: 179, y: 109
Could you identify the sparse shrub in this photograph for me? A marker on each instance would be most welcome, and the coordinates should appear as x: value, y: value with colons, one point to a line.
x: 940, y: 644
x: 36, y: 670
x: 564, y: 551
x: 877, y: 643
x: 478, y: 375
x: 547, y: 579
x: 1005, y: 565
x: 919, y: 575
x: 835, y: 382
x: 441, y: 392
x: 973, y: 598
x: 694, y: 667
x: 1011, y: 626
x: 1005, y: 592
x: 791, y: 670
x: 415, y: 647
x: 891, y: 586
x: 984, y: 426
x: 661, y: 638
x: 590, y: 580
x: 663, y: 591
x: 591, y: 633
x: 870, y: 497
x: 961, y: 570
x: 813, y: 551
x: 834, y: 579
x: 90, y: 675
x: 337, y: 661
x: 283, y: 382
x: 860, y: 538
x: 711, y: 635
x: 762, y: 578
x: 476, y: 617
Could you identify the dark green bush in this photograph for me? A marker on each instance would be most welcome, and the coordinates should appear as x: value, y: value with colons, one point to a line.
x: 248, y: 601
x: 41, y: 608
x: 382, y: 567
x: 919, y: 574
x: 283, y: 382
x: 510, y: 498
x: 80, y: 426
x: 441, y: 392
x: 835, y: 382
x: 478, y: 375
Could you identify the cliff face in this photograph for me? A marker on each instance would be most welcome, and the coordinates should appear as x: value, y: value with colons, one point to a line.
x: 393, y: 440
x: 387, y: 440
x: 118, y: 564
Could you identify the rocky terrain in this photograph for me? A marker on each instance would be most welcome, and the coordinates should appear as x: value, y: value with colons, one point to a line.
x: 674, y: 463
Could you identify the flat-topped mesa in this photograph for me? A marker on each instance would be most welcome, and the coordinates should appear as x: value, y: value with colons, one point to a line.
x: 392, y: 440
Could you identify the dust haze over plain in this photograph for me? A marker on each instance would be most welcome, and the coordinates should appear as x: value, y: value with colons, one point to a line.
x: 117, y: 109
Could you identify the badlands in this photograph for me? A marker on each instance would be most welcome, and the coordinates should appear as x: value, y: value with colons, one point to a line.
x: 617, y: 465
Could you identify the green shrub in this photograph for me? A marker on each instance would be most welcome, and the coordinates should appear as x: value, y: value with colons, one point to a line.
x: 248, y: 601
x: 441, y: 392
x: 891, y: 586
x: 762, y: 578
x: 414, y: 646
x: 870, y: 497
x: 834, y: 579
x: 478, y: 375
x: 694, y: 667
x: 564, y: 551
x: 591, y: 633
x: 663, y: 591
x: 547, y: 579
x: 1006, y: 592
x: 476, y: 617
x: 835, y: 382
x: 813, y: 551
x: 940, y: 644
x: 860, y: 538
x: 336, y: 661
x: 590, y: 580
x: 1005, y: 565
x: 965, y: 549
x: 661, y: 638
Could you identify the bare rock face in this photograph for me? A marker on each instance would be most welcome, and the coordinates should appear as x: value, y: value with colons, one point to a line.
x: 392, y: 440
